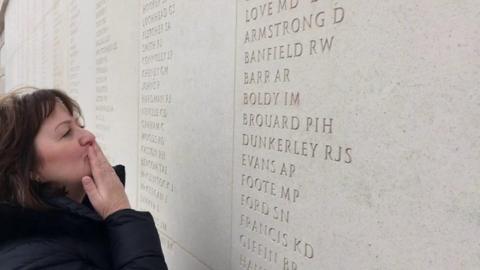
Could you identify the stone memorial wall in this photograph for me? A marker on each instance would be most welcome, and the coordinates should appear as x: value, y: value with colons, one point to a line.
x: 277, y: 134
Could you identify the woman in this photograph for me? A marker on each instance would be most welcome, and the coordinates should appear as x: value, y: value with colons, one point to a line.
x: 62, y: 206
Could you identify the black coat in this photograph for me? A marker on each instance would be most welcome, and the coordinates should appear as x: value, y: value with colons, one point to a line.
x: 75, y: 237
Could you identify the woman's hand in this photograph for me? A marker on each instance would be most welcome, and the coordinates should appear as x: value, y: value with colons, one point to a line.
x: 105, y: 191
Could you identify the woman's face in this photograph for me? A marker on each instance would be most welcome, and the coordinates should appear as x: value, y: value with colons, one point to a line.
x: 61, y: 146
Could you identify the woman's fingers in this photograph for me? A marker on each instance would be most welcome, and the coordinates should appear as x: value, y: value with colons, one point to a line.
x: 91, y: 189
x: 94, y: 163
x: 99, y: 153
x: 98, y: 162
x: 99, y: 156
x: 104, y: 189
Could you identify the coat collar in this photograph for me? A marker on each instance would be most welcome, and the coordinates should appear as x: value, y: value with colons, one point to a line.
x: 71, y: 206
x: 85, y: 209
x: 18, y: 222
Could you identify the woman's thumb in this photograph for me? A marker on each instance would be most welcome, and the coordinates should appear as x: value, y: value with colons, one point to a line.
x: 90, y: 188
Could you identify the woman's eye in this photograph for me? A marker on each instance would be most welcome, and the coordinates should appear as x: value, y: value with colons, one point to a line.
x: 67, y: 133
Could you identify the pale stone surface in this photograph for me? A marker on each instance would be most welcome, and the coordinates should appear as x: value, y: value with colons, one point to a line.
x: 369, y: 121
x: 187, y: 74
x: 398, y: 191
x: 116, y: 98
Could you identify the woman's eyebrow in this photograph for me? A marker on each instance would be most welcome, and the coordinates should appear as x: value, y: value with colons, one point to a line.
x: 62, y: 123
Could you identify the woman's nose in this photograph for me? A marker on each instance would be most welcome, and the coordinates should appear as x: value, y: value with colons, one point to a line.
x: 87, y: 138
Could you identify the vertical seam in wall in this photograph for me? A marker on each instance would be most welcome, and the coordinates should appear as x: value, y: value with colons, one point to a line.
x: 233, y: 132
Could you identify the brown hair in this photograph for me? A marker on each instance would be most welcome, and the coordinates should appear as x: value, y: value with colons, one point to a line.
x: 22, y: 112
